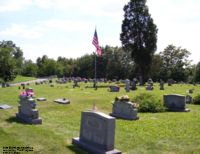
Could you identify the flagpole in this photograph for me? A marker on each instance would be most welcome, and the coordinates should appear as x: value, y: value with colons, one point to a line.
x: 95, y: 67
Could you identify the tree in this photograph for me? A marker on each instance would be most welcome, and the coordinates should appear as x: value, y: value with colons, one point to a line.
x: 175, y: 60
x: 197, y: 72
x: 16, y: 53
x: 7, y: 65
x: 46, y: 66
x: 29, y: 69
x: 156, y: 67
x: 139, y: 35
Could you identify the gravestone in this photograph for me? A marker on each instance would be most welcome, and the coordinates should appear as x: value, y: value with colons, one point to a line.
x: 97, y: 133
x: 188, y: 99
x: 175, y: 102
x: 127, y: 85
x: 150, y: 82
x: 149, y: 87
x: 27, y: 112
x: 76, y: 83
x: 161, y: 85
x: 123, y: 108
x: 170, y: 82
x: 114, y: 88
x: 133, y: 86
x: 190, y: 91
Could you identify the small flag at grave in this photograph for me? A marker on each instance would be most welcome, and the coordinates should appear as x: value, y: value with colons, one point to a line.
x: 95, y: 42
x: 94, y: 108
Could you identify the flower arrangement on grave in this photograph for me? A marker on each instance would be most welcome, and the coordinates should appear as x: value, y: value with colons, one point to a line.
x: 125, y: 98
x: 122, y: 98
x: 27, y: 93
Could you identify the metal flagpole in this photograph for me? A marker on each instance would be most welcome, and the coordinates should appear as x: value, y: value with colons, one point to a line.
x: 95, y: 67
x: 95, y: 70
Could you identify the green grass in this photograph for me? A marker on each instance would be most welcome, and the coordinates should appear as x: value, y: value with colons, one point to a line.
x: 20, y: 78
x: 167, y: 132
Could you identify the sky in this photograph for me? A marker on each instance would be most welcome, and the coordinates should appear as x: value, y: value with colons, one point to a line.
x: 66, y: 28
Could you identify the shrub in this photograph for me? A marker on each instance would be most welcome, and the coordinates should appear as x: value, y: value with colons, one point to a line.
x: 149, y: 103
x: 196, y: 99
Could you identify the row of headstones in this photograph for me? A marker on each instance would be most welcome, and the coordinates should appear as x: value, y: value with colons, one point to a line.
x: 97, y: 130
x: 133, y: 86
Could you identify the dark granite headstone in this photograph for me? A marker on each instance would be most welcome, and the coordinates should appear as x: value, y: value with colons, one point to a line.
x: 188, y: 99
x: 114, y: 88
x: 175, y: 102
x: 127, y: 85
x: 161, y: 85
x: 27, y: 112
x: 133, y: 85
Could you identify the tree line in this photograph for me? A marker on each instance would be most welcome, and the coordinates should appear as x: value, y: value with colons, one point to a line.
x: 114, y: 63
x: 135, y: 58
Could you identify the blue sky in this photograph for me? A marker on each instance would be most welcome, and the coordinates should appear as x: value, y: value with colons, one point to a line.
x: 65, y: 28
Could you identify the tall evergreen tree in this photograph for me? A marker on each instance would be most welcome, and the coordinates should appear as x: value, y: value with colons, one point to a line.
x: 139, y: 36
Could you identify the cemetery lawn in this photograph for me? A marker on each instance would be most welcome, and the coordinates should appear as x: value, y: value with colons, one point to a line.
x: 20, y: 78
x: 167, y: 132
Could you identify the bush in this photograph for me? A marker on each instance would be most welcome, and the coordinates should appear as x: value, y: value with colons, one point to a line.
x: 149, y: 103
x: 196, y: 99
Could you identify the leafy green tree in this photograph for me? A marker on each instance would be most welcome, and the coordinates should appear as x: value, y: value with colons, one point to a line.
x: 16, y: 52
x: 139, y: 35
x: 117, y: 64
x: 197, y: 72
x: 86, y: 66
x: 46, y: 66
x: 175, y: 60
x: 7, y: 65
x: 29, y: 69
x: 190, y: 72
x: 66, y: 66
x: 156, y: 67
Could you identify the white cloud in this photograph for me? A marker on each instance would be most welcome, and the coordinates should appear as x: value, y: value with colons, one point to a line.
x: 22, y: 31
x: 14, y: 5
x: 178, y: 22
x: 66, y: 25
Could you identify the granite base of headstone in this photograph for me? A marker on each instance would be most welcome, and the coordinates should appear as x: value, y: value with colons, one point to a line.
x: 175, y: 102
x: 97, y: 133
x: 27, y: 112
x: 123, y: 108
x: 62, y: 101
x: 149, y: 87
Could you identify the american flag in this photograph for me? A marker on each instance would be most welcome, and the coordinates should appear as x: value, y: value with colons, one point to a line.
x: 95, y: 42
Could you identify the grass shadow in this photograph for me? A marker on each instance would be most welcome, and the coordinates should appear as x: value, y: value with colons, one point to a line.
x: 76, y: 149
x: 13, y: 119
